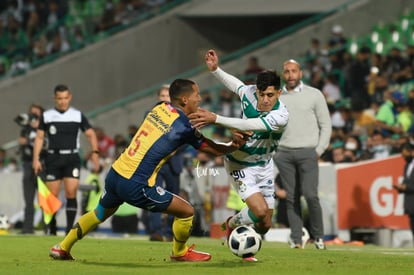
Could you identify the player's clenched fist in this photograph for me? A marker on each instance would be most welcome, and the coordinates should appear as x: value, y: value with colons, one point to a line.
x: 211, y: 60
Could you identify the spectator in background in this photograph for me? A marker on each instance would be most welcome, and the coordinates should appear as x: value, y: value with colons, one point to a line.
x: 387, y: 116
x: 357, y: 76
x: 315, y: 51
x: 337, y: 42
x: 337, y: 47
x: 107, y: 20
x: 364, y: 120
x: 33, y: 25
x: 39, y: 48
x: 26, y: 141
x: 394, y: 64
x: 338, y: 154
x: 106, y: 145
x: 378, y: 146
x: 404, y: 115
x: 253, y: 68
x: 14, y: 41
x: 56, y: 12
x: 57, y: 44
x: 353, y: 147
x: 407, y: 185
x: 331, y: 89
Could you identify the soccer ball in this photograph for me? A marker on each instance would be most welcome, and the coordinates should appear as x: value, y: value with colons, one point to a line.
x: 4, y: 222
x: 244, y: 241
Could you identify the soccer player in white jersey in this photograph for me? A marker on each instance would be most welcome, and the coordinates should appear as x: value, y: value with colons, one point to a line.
x: 251, y: 167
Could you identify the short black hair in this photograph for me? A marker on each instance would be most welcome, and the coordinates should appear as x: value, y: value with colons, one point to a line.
x: 180, y: 87
x: 61, y: 88
x: 267, y: 78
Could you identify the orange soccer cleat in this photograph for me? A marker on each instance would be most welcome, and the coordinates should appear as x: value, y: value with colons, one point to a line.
x: 192, y: 256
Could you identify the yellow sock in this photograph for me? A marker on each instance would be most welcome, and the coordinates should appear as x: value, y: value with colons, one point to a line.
x: 84, y: 225
x: 181, y: 230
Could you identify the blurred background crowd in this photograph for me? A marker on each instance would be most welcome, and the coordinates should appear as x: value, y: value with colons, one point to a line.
x: 32, y: 30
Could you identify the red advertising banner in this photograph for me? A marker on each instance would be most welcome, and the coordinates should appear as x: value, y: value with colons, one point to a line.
x: 366, y: 197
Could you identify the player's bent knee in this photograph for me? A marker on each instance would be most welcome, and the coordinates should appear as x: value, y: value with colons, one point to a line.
x: 187, y: 212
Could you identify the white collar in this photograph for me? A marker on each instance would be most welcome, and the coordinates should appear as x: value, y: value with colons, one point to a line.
x: 297, y: 89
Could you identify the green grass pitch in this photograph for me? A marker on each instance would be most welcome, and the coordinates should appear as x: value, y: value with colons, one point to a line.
x: 21, y: 254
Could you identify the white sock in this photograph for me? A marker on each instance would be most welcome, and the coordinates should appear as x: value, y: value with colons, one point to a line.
x: 241, y: 218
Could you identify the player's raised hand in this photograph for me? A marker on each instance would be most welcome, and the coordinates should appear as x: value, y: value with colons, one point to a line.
x: 202, y: 118
x: 211, y: 60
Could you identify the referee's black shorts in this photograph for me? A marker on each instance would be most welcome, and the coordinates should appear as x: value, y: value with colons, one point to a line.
x: 59, y: 166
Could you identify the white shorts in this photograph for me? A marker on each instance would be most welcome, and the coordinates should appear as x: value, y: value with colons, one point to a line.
x: 248, y: 180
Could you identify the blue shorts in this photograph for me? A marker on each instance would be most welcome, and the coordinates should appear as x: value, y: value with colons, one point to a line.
x: 119, y: 189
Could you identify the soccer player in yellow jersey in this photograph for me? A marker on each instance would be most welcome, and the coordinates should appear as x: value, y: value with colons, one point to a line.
x: 132, y: 176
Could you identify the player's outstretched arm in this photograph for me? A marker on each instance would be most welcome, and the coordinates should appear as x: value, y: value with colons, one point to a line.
x: 275, y: 121
x: 231, y: 82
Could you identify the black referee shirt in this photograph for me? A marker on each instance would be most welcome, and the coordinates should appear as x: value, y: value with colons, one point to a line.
x: 62, y: 128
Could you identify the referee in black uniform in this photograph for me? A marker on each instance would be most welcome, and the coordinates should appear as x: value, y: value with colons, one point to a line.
x: 62, y: 125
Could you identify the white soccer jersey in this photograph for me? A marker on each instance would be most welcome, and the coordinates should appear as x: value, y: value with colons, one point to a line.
x: 259, y: 148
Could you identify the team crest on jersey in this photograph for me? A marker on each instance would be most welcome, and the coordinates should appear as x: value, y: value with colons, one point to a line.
x: 75, y: 173
x: 52, y: 130
x: 242, y: 186
x: 160, y: 190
